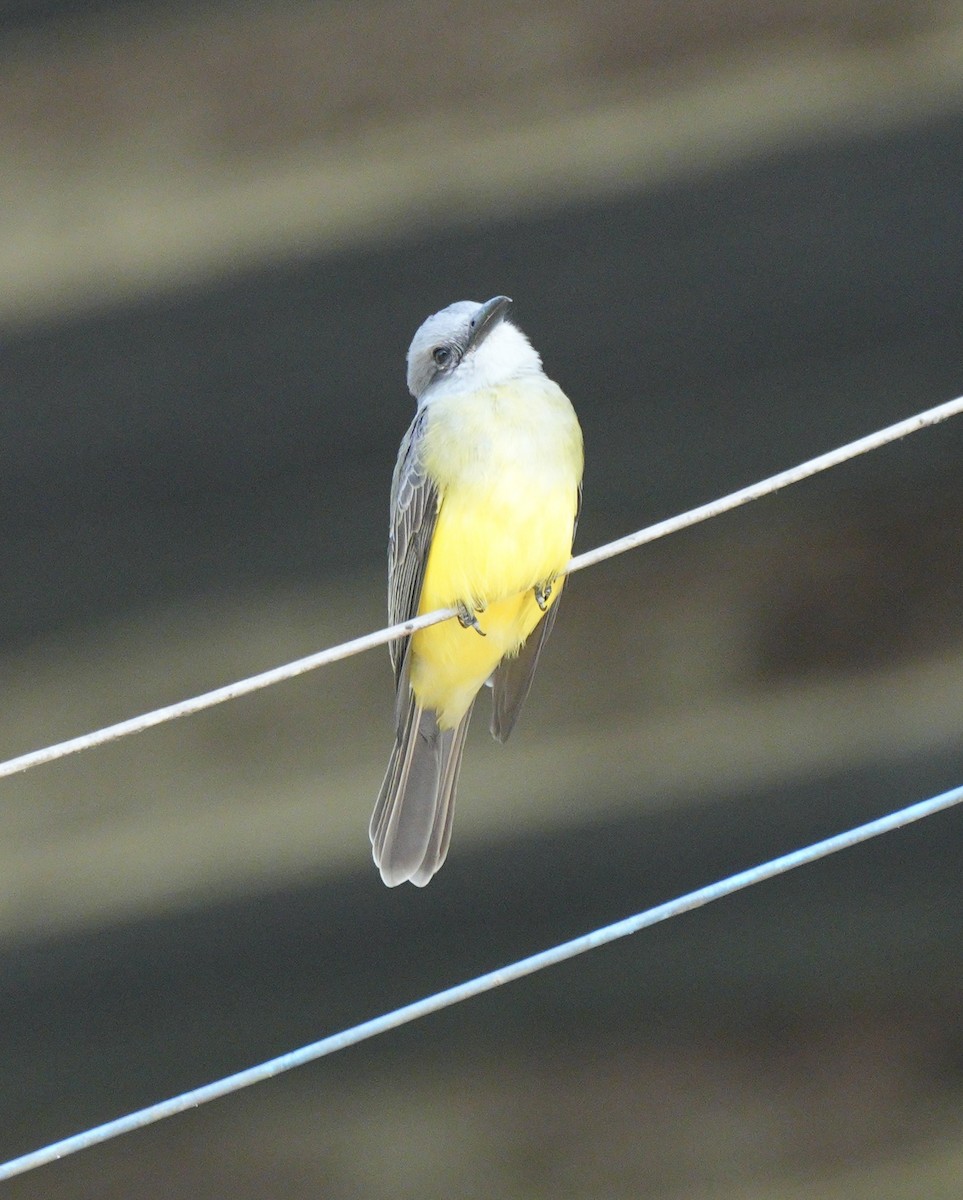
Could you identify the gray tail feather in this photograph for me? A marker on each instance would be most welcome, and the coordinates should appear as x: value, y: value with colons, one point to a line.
x: 411, y: 824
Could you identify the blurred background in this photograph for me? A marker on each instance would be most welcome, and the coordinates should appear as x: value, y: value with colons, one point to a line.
x: 734, y: 231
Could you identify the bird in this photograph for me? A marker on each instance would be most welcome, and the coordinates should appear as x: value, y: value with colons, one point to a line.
x: 485, y: 499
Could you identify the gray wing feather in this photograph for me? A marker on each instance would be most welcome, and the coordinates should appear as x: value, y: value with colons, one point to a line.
x: 414, y: 511
x: 512, y: 680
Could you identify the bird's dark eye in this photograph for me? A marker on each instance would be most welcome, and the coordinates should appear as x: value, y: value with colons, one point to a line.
x: 441, y: 355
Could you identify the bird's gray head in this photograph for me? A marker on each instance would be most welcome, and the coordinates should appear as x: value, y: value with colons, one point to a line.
x: 469, y: 345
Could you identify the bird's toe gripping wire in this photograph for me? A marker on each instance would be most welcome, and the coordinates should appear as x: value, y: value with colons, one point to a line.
x: 468, y: 619
x: 543, y: 593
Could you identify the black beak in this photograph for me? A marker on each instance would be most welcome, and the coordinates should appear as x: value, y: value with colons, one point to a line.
x: 484, y: 321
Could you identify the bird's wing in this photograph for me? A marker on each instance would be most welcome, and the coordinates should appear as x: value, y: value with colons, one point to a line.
x: 512, y: 680
x: 414, y: 511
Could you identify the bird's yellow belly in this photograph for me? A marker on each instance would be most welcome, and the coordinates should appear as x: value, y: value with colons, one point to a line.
x: 492, y: 545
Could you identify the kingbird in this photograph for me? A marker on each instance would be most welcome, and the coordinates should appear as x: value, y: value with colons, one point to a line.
x: 484, y: 502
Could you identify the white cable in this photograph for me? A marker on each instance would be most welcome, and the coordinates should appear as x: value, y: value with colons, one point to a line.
x: 631, y: 541
x: 478, y: 985
x: 229, y: 691
x: 765, y: 487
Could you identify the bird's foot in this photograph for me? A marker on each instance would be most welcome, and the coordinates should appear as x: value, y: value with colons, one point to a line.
x: 468, y: 619
x: 543, y: 593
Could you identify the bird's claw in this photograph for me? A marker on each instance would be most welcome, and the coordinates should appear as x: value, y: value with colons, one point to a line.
x: 543, y: 593
x: 468, y: 619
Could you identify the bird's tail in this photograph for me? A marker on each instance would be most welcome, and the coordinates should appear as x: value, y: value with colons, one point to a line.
x: 410, y: 827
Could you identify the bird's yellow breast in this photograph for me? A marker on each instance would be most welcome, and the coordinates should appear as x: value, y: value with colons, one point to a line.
x: 507, y: 463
